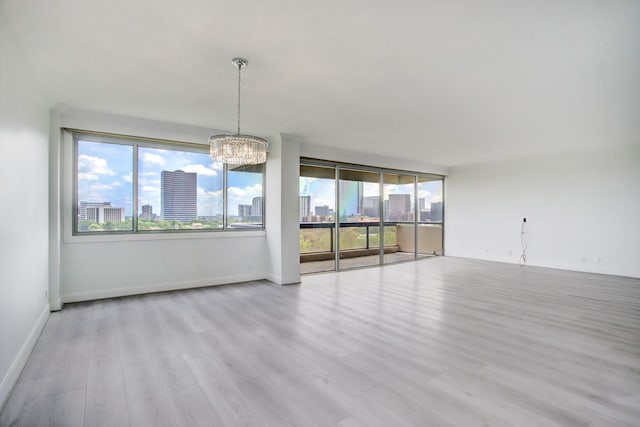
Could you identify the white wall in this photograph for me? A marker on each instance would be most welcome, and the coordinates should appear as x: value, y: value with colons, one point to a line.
x: 282, y: 215
x: 24, y: 132
x: 104, y: 266
x: 582, y: 210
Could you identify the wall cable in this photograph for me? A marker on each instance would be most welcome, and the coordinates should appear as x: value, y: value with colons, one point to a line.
x: 523, y: 243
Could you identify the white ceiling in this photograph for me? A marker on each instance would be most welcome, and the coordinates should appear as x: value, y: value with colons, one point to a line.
x: 447, y: 82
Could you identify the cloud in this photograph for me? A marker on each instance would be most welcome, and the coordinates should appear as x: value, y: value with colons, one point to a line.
x: 202, y: 192
x: 104, y: 187
x: 144, y: 182
x: 91, y: 168
x: 150, y: 188
x: 249, y: 191
x: 153, y: 158
x: 209, y: 202
x: 200, y: 170
x: 128, y: 178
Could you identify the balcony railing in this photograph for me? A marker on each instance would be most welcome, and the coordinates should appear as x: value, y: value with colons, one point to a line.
x: 317, y: 239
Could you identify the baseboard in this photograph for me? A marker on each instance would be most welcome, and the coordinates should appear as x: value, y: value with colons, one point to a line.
x: 21, y: 358
x: 157, y: 287
x: 56, y: 305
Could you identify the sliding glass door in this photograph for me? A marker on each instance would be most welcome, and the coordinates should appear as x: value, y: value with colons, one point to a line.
x: 359, y: 218
x: 399, y: 217
x: 317, y: 219
x: 430, y: 216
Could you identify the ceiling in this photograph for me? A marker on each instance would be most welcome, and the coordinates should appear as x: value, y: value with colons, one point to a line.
x: 447, y: 82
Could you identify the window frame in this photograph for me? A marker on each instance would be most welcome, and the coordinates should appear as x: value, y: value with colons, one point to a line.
x: 155, y: 143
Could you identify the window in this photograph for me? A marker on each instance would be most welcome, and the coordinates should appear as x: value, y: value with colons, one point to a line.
x: 133, y: 185
x: 245, y: 201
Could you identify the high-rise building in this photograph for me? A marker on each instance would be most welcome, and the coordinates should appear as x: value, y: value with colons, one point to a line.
x: 179, y: 195
x: 112, y: 214
x: 421, y: 203
x: 371, y: 206
x: 436, y: 212
x: 322, y: 210
x: 351, y: 198
x: 305, y: 206
x: 147, y: 212
x: 245, y: 211
x: 256, y: 206
x: 399, y: 207
x: 83, y: 206
x: 101, y: 212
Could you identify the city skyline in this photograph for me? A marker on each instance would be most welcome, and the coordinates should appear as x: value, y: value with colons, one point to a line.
x: 365, y: 196
x: 105, y: 174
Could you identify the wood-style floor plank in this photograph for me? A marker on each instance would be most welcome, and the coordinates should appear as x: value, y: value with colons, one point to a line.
x: 439, y: 342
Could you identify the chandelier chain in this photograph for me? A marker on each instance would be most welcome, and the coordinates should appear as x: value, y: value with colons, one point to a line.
x: 239, y: 71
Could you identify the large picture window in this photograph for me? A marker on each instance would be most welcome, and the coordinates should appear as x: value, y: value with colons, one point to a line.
x: 130, y: 185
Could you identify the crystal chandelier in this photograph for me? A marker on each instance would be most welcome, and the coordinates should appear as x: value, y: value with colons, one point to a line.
x: 238, y: 149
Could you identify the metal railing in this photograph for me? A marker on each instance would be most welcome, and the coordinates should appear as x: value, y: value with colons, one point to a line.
x: 368, y: 226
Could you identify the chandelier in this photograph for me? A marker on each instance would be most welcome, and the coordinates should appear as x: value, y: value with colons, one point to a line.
x: 238, y: 149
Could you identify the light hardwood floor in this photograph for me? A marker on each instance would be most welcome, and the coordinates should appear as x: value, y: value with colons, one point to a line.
x: 438, y: 342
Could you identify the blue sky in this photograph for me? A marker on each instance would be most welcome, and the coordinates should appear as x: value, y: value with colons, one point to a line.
x: 322, y: 191
x: 105, y: 174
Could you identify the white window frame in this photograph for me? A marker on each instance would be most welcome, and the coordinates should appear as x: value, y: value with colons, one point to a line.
x: 70, y: 194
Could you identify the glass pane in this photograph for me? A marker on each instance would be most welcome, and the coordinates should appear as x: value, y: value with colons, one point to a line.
x: 399, y: 214
x: 430, y: 218
x: 245, y: 199
x: 105, y: 188
x: 178, y: 190
x: 317, y: 219
x: 359, y: 216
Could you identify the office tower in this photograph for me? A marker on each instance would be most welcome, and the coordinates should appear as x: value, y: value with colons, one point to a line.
x: 399, y: 207
x: 371, y: 206
x: 87, y: 210
x: 351, y: 198
x: 147, y: 212
x: 179, y: 196
x: 101, y: 212
x: 256, y: 206
x: 305, y: 206
x: 322, y: 211
x: 421, y: 204
x: 436, y: 212
x: 244, y: 211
